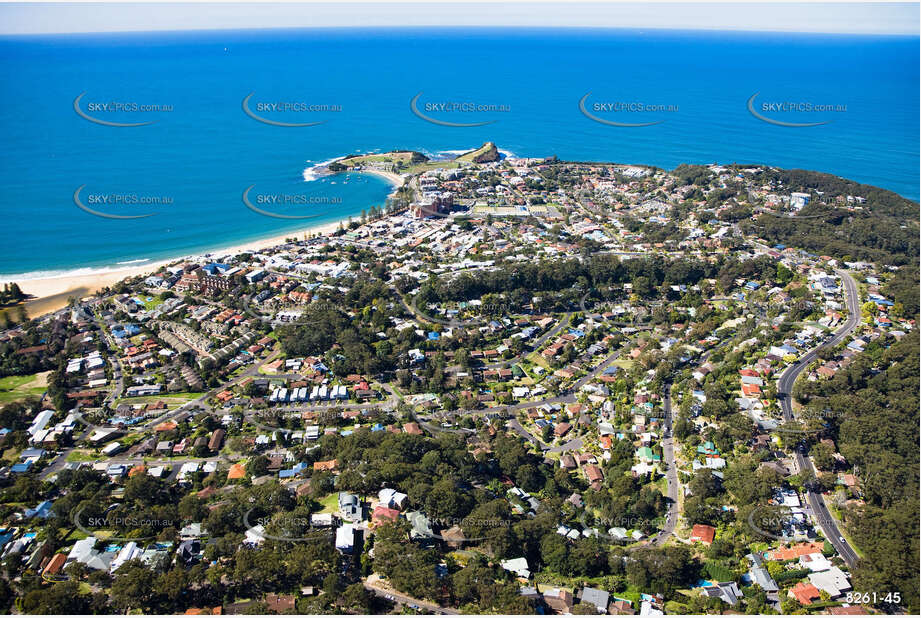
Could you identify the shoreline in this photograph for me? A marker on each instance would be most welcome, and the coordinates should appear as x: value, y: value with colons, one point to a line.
x: 49, y: 294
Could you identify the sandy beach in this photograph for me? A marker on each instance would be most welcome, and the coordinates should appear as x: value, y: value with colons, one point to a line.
x: 52, y: 293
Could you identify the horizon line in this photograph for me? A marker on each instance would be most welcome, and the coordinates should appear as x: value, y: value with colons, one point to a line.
x: 898, y: 18
x: 741, y: 30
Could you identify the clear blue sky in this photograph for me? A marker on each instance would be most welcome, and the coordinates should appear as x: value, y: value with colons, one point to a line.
x: 860, y: 18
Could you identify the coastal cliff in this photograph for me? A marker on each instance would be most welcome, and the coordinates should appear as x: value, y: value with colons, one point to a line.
x: 487, y: 153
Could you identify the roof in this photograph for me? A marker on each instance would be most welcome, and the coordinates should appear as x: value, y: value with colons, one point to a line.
x: 55, y: 564
x: 325, y: 465
x: 382, y: 514
x: 804, y: 593
x: 790, y: 553
x: 237, y: 471
x: 598, y: 598
x: 703, y: 533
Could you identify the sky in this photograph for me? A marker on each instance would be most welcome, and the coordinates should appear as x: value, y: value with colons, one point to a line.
x: 828, y: 17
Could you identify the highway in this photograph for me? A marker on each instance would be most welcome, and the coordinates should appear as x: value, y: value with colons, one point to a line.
x: 784, y: 389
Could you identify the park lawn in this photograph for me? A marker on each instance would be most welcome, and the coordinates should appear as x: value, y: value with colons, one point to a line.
x: 14, y: 388
x: 11, y: 454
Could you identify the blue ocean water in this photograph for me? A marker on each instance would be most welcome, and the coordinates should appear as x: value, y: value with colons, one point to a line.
x: 205, y: 151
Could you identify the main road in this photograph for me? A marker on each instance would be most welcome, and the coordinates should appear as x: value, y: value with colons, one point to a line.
x: 784, y: 389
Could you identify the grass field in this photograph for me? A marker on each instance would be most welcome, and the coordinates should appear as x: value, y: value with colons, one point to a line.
x: 14, y: 388
x: 330, y: 503
x: 81, y: 456
x: 167, y: 398
x: 151, y: 302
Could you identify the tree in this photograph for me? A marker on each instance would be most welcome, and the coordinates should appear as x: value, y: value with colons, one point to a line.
x: 61, y: 598
x: 131, y: 588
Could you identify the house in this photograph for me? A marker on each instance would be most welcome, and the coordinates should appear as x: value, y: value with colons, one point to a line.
x: 347, y: 537
x: 236, y: 471
x: 84, y: 552
x: 598, y: 598
x: 325, y: 465
x: 192, y: 531
x: 42, y: 511
x: 702, y: 533
x: 391, y: 498
x: 833, y: 581
x: 760, y: 576
x: 593, y: 473
x: 412, y: 428
x: 55, y: 565
x: 804, y: 593
x: 453, y: 537
x: 814, y: 562
x: 383, y: 515
x: 129, y: 551
x: 791, y: 553
x: 350, y: 507
x: 518, y: 566
x: 621, y: 607
x: 727, y: 591
x: 217, y: 439
x: 421, y: 526
x: 848, y: 610
x: 559, y: 600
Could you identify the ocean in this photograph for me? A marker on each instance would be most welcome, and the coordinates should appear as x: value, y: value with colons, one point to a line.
x: 366, y: 90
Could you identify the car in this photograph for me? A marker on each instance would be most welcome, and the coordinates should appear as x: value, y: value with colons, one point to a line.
x: 841, y: 538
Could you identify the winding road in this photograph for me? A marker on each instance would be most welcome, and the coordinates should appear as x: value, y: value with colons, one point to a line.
x: 784, y: 389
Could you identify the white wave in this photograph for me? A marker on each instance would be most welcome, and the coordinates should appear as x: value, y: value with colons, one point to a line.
x: 134, y: 261
x: 315, y: 172
x: 54, y: 274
